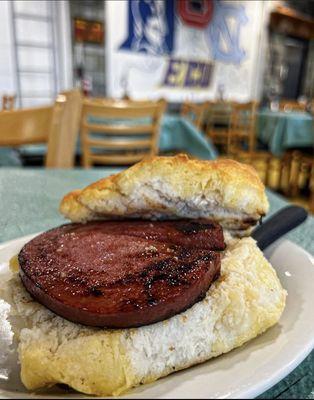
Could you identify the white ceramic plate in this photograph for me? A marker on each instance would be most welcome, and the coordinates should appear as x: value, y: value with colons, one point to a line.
x: 243, y: 373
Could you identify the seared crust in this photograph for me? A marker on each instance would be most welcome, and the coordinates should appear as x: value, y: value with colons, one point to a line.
x: 174, y: 187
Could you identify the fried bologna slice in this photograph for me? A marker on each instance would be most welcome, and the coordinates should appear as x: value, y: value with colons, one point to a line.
x: 122, y: 274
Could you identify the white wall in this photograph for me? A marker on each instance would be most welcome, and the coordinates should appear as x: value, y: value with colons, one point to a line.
x: 262, y: 53
x: 7, y: 66
x: 35, y: 58
x: 145, y: 72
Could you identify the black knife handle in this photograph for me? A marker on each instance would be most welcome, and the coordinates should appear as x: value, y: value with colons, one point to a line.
x: 278, y: 225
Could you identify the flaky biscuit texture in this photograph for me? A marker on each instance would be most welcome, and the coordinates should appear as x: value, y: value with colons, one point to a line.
x: 174, y: 187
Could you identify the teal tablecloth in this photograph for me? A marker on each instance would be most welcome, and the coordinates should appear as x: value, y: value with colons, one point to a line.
x: 177, y: 134
x: 9, y: 157
x: 29, y: 202
x: 281, y: 130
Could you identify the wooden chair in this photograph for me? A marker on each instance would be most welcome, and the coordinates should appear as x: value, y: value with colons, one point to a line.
x: 300, y: 173
x: 291, y: 105
x: 119, y: 137
x: 267, y: 166
x: 33, y: 126
x: 62, y: 145
x: 218, y: 119
x: 8, y: 102
x: 311, y: 186
x: 242, y: 127
x: 194, y: 112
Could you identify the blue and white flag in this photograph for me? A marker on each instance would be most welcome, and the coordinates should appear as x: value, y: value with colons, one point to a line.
x: 150, y: 26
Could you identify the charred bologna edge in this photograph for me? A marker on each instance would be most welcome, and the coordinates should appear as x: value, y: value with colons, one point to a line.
x: 121, y: 274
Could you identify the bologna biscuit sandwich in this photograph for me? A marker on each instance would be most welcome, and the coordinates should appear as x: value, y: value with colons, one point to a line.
x: 155, y: 273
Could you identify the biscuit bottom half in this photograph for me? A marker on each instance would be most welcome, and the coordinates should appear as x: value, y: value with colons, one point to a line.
x: 246, y: 300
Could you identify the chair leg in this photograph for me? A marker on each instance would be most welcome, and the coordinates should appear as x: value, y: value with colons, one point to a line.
x: 251, y: 144
x: 294, y: 174
x: 86, y: 157
x: 268, y: 173
x: 311, y: 205
x: 229, y: 142
x: 285, y: 174
x: 311, y: 185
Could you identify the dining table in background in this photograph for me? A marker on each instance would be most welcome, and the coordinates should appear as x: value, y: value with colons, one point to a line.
x: 176, y: 134
x: 29, y: 203
x: 284, y: 130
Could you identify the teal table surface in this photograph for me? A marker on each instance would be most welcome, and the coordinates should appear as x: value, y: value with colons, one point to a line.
x: 29, y: 200
x: 176, y: 133
x: 9, y: 157
x: 282, y: 130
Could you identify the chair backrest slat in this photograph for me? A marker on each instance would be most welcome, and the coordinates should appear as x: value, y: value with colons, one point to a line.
x: 121, y: 110
x: 119, y: 129
x: 119, y: 144
x: 116, y: 159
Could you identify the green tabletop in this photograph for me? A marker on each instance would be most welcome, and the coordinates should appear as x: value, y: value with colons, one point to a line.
x: 176, y: 134
x: 281, y: 130
x: 29, y: 200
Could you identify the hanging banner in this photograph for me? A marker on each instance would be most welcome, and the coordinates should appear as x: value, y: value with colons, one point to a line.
x: 150, y: 26
x: 223, y: 33
x: 188, y: 74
